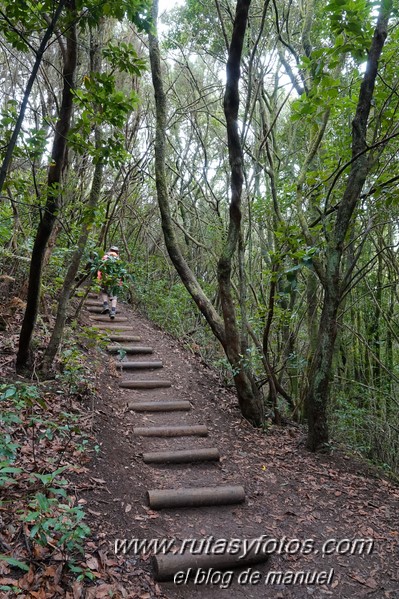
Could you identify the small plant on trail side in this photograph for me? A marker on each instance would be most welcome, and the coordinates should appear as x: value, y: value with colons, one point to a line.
x: 9, y: 420
x: 74, y: 373
x: 33, y: 492
x: 56, y: 522
x: 14, y: 399
x: 91, y: 338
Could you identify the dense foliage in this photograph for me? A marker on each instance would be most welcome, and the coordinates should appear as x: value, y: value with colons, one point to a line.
x: 302, y: 72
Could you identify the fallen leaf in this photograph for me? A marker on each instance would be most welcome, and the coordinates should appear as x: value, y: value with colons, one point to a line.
x: 92, y: 563
x: 8, y: 581
x: 41, y: 594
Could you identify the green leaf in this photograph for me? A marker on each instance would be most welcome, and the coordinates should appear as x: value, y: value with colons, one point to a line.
x: 9, y: 392
x: 42, y: 501
x: 10, y: 470
x: 14, y: 562
x: 34, y: 530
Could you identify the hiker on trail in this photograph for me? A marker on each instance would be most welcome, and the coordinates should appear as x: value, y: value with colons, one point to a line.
x: 107, y: 275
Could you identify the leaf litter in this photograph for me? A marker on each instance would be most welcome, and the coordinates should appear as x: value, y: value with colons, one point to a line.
x: 290, y: 493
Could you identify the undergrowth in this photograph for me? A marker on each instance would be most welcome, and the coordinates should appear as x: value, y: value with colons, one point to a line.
x: 358, y: 422
x: 42, y: 447
x: 360, y: 418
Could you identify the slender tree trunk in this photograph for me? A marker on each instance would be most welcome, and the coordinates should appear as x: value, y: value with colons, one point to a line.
x: 56, y: 335
x: 52, y: 240
x: 39, y: 56
x: 320, y: 373
x: 249, y: 397
x: 375, y: 340
x: 226, y: 330
x: 17, y: 230
x: 58, y: 157
x: 319, y: 384
x: 389, y: 354
x: 178, y: 260
x: 88, y: 220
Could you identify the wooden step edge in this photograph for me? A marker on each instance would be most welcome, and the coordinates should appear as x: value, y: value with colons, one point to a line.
x: 145, y: 384
x: 195, y: 497
x: 159, y: 406
x: 124, y: 339
x: 99, y: 311
x: 182, y: 456
x: 171, y: 431
x: 112, y: 326
x: 245, y: 553
x: 139, y: 365
x: 107, y: 319
x: 114, y: 349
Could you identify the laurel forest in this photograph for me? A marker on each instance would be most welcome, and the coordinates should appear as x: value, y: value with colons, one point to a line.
x: 243, y: 156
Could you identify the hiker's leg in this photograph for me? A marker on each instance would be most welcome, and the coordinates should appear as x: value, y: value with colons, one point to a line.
x: 105, y: 299
x: 114, y: 300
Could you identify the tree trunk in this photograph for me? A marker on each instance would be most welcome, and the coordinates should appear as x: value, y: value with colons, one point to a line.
x: 52, y: 240
x: 87, y: 223
x: 319, y: 384
x: 89, y: 216
x: 320, y: 373
x: 226, y: 330
x: 58, y: 158
x: 249, y: 397
x: 39, y: 56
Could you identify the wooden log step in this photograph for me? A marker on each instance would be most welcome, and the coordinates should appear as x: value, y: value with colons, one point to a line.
x: 154, y: 384
x: 97, y: 309
x: 140, y: 365
x: 124, y: 339
x: 114, y: 349
x: 171, y: 431
x: 159, y: 406
x: 93, y: 304
x: 241, y: 555
x: 195, y: 497
x: 92, y: 295
x: 113, y: 326
x: 106, y: 318
x: 182, y: 456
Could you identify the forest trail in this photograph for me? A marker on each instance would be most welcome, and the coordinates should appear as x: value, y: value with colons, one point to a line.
x: 298, y: 499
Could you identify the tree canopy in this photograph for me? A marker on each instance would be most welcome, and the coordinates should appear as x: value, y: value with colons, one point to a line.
x: 243, y: 155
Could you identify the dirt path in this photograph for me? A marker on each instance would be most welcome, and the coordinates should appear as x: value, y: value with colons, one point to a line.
x: 298, y: 499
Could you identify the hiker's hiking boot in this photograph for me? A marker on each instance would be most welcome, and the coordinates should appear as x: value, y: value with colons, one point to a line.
x: 112, y: 314
x: 105, y: 309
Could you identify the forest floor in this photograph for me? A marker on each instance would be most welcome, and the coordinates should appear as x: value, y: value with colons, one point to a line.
x: 299, y: 499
